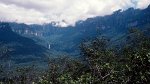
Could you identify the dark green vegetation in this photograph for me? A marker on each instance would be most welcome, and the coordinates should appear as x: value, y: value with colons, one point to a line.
x: 16, y: 49
x: 116, y: 50
x: 100, y: 64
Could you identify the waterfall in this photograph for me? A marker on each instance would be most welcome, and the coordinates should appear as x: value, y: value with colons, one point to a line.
x: 49, y: 46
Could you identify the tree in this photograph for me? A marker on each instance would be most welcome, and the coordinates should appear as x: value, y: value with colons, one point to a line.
x: 102, y: 61
x: 137, y: 52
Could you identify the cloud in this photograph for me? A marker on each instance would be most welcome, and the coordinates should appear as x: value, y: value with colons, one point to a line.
x: 63, y: 12
x: 143, y: 3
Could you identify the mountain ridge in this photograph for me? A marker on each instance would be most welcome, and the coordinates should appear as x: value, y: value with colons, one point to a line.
x: 19, y: 49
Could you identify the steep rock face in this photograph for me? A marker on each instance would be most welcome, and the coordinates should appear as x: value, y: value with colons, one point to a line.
x: 17, y: 48
x: 68, y: 39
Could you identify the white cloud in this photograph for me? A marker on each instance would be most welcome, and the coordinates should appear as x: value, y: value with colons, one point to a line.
x: 143, y: 3
x: 64, y: 12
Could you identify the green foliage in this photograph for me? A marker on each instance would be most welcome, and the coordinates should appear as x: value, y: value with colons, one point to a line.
x: 101, y: 64
x: 102, y: 61
x: 138, y: 66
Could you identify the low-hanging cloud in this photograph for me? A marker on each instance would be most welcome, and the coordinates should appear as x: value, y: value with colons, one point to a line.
x: 63, y: 12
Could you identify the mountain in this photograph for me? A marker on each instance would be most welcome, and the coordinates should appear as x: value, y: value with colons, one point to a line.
x: 67, y: 40
x: 18, y: 49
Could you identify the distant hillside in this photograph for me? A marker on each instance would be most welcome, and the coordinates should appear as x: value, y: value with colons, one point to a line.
x: 19, y: 49
x: 67, y: 39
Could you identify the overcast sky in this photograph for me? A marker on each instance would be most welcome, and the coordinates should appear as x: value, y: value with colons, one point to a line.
x: 65, y: 12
